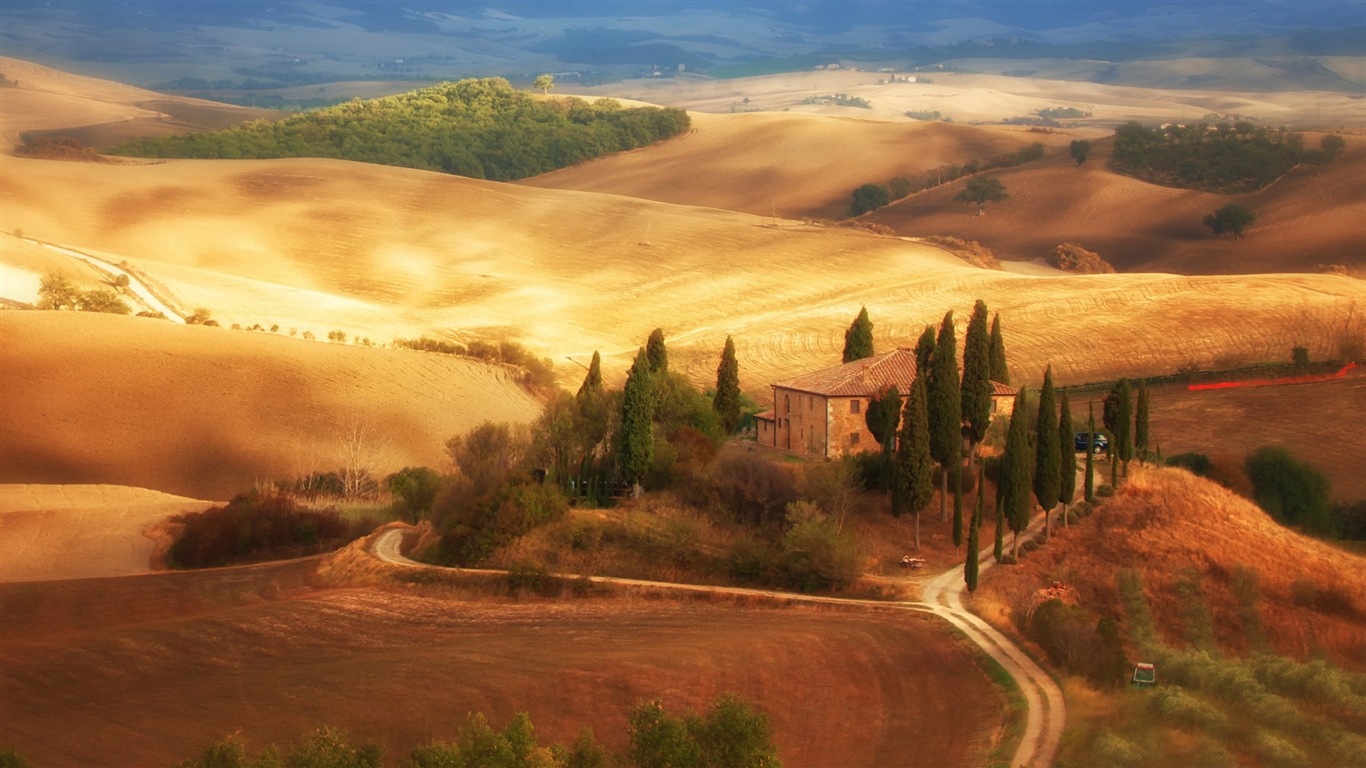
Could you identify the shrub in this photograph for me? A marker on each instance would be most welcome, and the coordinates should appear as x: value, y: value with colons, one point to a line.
x: 1105, y: 490
x: 1278, y: 752
x: 1114, y: 751
x: 746, y: 488
x: 1071, y: 257
x: 869, y: 197
x: 1291, y: 491
x: 414, y: 490
x: 256, y: 527
x: 1196, y: 463
x: 1186, y: 711
x: 817, y: 556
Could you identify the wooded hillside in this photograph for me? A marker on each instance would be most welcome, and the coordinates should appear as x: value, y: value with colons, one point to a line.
x: 483, y: 129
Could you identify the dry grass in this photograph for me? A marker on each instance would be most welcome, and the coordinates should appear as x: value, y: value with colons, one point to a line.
x: 1167, y: 524
x: 151, y: 669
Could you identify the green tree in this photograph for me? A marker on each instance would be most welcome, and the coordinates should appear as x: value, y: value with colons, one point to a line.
x: 727, y: 398
x: 414, y: 489
x: 656, y: 352
x: 858, y: 340
x: 57, y: 292
x: 999, y: 370
x: 1015, y: 473
x: 998, y: 547
x: 913, y: 483
x: 945, y: 408
x: 1141, y: 422
x: 659, y: 740
x: 592, y: 382
x: 883, y: 416
x: 1047, y: 478
x: 545, y: 82
x: 1067, y: 457
x: 869, y: 197
x: 1119, y: 418
x: 972, y: 564
x: 733, y: 733
x: 976, y: 378
x: 1232, y: 218
x: 1291, y: 491
x: 104, y: 300
x: 585, y: 752
x: 1089, y: 494
x: 1080, y: 149
x: 635, y: 449
x: 1332, y: 145
x: 981, y: 190
x: 924, y: 351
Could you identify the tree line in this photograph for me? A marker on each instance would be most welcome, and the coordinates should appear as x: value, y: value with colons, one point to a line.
x: 871, y: 196
x: 480, y: 128
x: 1224, y: 157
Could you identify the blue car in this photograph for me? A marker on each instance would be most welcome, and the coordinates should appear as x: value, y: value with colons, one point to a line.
x: 1082, y: 438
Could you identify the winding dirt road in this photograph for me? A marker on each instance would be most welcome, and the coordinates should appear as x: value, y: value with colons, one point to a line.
x: 1046, y: 713
x: 140, y: 291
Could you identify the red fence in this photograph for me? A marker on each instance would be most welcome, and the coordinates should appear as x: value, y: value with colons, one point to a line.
x: 1306, y: 379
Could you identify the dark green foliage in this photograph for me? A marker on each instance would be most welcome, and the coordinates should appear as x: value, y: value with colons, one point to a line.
x: 971, y: 566
x: 999, y: 370
x: 479, y: 128
x: 585, y: 752
x: 1089, y: 494
x: 976, y: 388
x: 912, y: 488
x: 1067, y: 456
x: 727, y: 398
x: 635, y: 438
x: 858, y: 339
x: 1350, y: 519
x: 1223, y: 158
x: 1197, y: 463
x: 870, y: 197
x: 957, y: 507
x: 730, y: 735
x: 1080, y: 149
x: 256, y: 527
x: 1118, y: 416
x: 1291, y: 491
x: 899, y: 187
x: 329, y: 748
x: 1333, y: 146
x: 883, y: 416
x: 1231, y: 218
x: 1141, y: 422
x: 998, y: 545
x: 981, y: 190
x: 924, y: 351
x: 1077, y: 645
x: 1047, y: 477
x: 414, y: 490
x: 1016, y: 470
x: 945, y: 405
x: 592, y: 381
x: 817, y: 555
x: 656, y: 352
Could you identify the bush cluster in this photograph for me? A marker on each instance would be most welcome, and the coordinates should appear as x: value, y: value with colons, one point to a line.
x: 539, y: 373
x: 255, y: 527
x: 480, y: 128
x: 1223, y: 157
x: 1291, y: 491
x: 870, y: 197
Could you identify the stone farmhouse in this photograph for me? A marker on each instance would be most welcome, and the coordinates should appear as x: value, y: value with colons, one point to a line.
x: 823, y: 414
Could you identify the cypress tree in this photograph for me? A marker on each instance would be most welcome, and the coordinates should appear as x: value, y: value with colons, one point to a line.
x: 999, y: 370
x: 976, y: 378
x: 971, y: 565
x: 913, y: 483
x: 1015, y: 473
x: 1067, y: 457
x: 1090, y: 490
x: 1141, y: 422
x: 1118, y: 416
x: 998, y: 549
x: 656, y: 352
x: 727, y: 399
x: 945, y: 408
x: 882, y: 417
x: 1047, y: 479
x: 636, y: 440
x: 592, y: 383
x: 924, y: 351
x: 958, y: 507
x: 858, y: 340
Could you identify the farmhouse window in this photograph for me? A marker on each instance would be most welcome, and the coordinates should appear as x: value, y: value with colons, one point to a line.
x: 853, y: 436
x: 787, y: 403
x: 853, y: 406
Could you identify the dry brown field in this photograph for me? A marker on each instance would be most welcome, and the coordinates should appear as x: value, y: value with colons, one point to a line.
x: 1167, y: 525
x: 208, y: 412
x: 150, y: 669
x: 1316, y: 422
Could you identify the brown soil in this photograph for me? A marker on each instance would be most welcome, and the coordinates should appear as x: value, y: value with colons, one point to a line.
x: 151, y: 669
x: 1316, y: 422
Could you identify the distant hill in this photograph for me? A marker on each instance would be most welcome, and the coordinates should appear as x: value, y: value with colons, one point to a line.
x: 483, y: 129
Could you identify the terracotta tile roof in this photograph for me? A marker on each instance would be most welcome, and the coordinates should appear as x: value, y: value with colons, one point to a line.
x: 1003, y: 390
x: 861, y: 378
x: 765, y: 416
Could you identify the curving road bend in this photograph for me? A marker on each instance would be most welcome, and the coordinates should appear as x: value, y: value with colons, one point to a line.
x: 1046, y: 712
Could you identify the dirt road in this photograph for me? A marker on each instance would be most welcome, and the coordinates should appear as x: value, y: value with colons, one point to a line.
x: 1046, y: 711
x: 139, y: 289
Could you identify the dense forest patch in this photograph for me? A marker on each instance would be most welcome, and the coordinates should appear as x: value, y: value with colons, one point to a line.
x: 483, y: 129
x: 1224, y: 157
